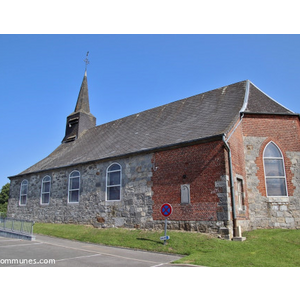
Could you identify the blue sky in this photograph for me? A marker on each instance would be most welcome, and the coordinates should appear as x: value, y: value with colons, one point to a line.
x: 41, y: 76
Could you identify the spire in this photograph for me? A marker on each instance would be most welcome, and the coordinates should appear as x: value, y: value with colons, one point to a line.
x: 81, y: 119
x: 83, y: 104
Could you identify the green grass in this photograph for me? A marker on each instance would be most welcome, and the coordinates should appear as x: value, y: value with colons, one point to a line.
x: 263, y: 248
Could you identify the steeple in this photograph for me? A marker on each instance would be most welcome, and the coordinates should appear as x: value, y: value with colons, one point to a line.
x: 83, y: 97
x: 81, y: 119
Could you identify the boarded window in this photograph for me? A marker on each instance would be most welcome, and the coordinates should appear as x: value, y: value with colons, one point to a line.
x: 240, y: 189
x: 185, y: 193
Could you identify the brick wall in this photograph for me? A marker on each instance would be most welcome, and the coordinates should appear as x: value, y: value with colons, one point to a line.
x: 203, y: 168
x: 236, y: 144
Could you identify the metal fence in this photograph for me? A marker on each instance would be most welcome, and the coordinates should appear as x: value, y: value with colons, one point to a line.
x: 16, y: 226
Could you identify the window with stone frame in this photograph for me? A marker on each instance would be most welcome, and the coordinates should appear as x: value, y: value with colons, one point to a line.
x: 45, y: 190
x: 74, y: 187
x: 185, y: 194
x: 113, y: 182
x: 23, y: 192
x: 240, y: 190
x: 274, y: 171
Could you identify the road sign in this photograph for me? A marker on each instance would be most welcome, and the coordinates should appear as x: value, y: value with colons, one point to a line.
x: 166, y: 210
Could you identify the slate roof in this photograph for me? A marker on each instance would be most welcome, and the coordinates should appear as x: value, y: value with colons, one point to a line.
x: 259, y: 102
x: 83, y: 103
x: 198, y: 117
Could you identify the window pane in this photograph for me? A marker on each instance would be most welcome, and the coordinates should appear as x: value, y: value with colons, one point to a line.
x: 46, y: 187
x: 74, y: 183
x: 46, y: 178
x: 272, y: 151
x: 75, y: 174
x: 23, y: 200
x: 113, y: 193
x: 274, y: 167
x: 45, y: 198
x: 114, y: 178
x: 276, y: 187
x: 24, y: 189
x: 114, y: 167
x: 73, y: 196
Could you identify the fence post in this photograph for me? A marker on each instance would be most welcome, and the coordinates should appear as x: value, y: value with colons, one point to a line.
x: 32, y: 224
x: 22, y: 225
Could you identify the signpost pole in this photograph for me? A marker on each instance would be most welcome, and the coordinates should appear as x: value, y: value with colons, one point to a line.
x: 165, y: 229
x: 166, y: 211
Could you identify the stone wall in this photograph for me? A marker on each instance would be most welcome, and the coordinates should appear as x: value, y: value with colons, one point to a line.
x: 272, y: 212
x: 134, y: 210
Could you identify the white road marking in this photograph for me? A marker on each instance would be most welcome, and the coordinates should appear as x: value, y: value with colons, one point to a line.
x: 84, y: 256
x: 102, y: 253
x: 17, y: 245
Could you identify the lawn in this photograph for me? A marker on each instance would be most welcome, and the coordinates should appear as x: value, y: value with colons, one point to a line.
x: 263, y: 248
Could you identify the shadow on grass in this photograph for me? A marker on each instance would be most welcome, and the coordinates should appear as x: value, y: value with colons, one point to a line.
x: 153, y: 241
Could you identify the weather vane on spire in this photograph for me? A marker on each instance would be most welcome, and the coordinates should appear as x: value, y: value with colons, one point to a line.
x: 86, y: 60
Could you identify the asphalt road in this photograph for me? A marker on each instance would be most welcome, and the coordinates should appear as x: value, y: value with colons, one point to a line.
x: 47, y: 251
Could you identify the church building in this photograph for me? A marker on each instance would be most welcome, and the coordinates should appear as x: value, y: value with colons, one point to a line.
x: 226, y: 160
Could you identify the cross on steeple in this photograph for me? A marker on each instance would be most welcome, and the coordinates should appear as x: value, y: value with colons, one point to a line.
x: 86, y: 61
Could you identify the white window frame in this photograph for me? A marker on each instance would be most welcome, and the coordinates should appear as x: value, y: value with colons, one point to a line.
x: 24, y: 182
x: 72, y: 190
x: 46, y: 179
x: 116, y: 185
x: 274, y: 177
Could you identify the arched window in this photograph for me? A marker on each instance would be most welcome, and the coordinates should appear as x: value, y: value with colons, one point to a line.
x: 113, y: 182
x: 74, y: 186
x: 274, y: 171
x: 45, y: 191
x: 23, y: 192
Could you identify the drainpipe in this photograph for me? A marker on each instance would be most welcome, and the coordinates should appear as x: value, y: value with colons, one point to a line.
x: 231, y: 186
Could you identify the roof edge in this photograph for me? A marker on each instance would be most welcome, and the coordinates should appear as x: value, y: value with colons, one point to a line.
x: 273, y: 114
x: 144, y: 151
x: 246, y: 98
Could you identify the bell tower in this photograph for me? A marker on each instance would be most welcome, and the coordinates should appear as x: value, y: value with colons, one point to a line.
x: 81, y: 119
